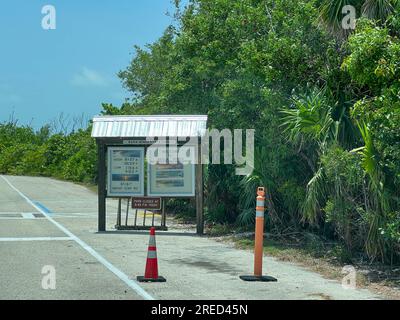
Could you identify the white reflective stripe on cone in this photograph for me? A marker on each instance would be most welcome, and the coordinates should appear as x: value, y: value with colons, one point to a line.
x: 152, y: 254
x: 259, y: 213
x: 152, y: 241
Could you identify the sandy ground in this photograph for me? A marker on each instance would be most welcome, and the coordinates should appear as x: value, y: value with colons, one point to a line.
x: 46, y: 222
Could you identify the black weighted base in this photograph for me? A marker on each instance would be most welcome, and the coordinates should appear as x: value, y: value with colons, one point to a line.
x: 143, y: 279
x: 259, y: 278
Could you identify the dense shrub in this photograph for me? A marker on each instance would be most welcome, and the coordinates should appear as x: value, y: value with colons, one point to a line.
x: 68, y: 156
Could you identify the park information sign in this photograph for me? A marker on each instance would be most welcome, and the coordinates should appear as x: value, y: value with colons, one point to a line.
x: 146, y: 203
x: 125, y: 171
x: 176, y: 180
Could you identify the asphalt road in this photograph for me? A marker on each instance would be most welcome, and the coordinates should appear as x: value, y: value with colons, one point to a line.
x: 45, y: 223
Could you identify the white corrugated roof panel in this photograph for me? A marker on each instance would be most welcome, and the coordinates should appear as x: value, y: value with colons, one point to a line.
x: 149, y: 126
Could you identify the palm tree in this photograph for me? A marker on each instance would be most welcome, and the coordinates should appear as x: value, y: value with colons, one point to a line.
x: 379, y: 203
x: 310, y: 122
x: 378, y: 9
x: 331, y: 14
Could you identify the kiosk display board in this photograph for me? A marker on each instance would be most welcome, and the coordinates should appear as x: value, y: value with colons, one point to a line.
x: 171, y: 180
x: 125, y: 171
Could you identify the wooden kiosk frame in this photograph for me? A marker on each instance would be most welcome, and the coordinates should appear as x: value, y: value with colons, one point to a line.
x: 106, y: 137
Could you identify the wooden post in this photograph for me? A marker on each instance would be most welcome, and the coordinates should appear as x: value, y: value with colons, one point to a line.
x: 199, y: 194
x: 102, y: 186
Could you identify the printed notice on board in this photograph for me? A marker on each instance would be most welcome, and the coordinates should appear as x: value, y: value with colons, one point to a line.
x: 171, y: 179
x: 125, y: 171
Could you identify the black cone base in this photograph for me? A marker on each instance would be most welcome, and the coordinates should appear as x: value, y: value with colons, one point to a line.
x: 259, y: 278
x: 143, y: 279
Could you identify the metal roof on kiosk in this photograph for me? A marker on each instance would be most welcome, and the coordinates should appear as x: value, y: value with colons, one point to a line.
x: 149, y: 126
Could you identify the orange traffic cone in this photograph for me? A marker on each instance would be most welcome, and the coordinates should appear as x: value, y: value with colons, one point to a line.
x: 151, y: 272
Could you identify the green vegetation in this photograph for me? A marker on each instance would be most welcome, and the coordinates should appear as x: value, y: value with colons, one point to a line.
x: 70, y: 156
x: 325, y: 105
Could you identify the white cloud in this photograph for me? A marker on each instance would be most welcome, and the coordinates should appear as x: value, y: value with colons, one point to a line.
x: 87, y: 77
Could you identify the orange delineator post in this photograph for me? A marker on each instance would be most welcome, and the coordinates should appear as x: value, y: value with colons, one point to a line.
x: 259, y: 240
x: 259, y: 235
x: 151, y: 272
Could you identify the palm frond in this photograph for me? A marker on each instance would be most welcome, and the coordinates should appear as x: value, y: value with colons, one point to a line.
x: 378, y: 9
x: 331, y: 15
x: 246, y: 217
x: 369, y: 156
x: 261, y: 176
x: 310, y: 117
x: 316, y: 193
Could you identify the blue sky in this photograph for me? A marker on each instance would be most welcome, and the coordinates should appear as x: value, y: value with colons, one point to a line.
x: 71, y: 69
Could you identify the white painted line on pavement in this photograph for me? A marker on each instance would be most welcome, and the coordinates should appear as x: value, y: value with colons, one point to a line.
x: 61, y: 216
x: 73, y: 200
x: 75, y: 214
x: 129, y: 282
x: 14, y: 212
x: 36, y: 239
x: 28, y: 216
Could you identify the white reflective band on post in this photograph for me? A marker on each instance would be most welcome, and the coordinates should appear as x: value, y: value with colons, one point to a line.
x: 260, y: 203
x: 152, y: 241
x: 152, y: 254
x: 259, y: 213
